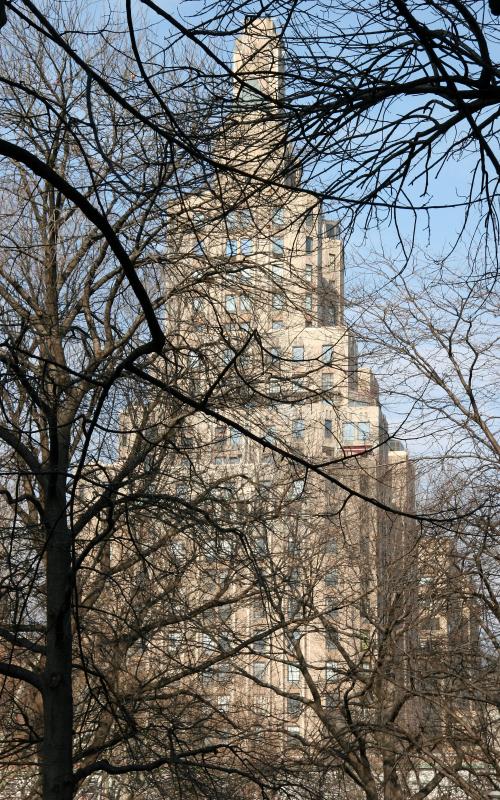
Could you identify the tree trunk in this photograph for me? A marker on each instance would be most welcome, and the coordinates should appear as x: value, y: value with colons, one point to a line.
x: 57, y: 766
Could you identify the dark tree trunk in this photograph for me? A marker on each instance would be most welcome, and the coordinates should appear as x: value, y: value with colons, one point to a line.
x: 57, y: 766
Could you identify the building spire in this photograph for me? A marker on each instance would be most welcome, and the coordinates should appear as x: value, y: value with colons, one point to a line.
x: 258, y: 61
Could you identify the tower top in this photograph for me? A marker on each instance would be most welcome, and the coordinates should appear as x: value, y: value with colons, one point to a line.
x: 258, y: 61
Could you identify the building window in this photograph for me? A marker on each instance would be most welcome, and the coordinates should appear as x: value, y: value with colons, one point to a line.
x: 327, y: 353
x: 275, y: 354
x: 277, y: 324
x: 197, y: 304
x: 331, y: 315
x: 261, y: 646
x: 348, y: 431
x: 293, y: 673
x: 293, y: 706
x: 232, y: 219
x: 223, y: 703
x: 235, y: 438
x: 279, y: 216
x: 277, y: 246
x: 246, y: 275
x: 364, y: 430
x: 298, y: 427
x: 328, y: 428
x: 245, y: 217
x: 274, y: 386
x: 259, y: 670
x: 258, y: 610
x: 293, y: 731
x: 297, y: 488
x: 332, y: 230
x: 278, y: 301
x: 245, y: 303
x: 246, y: 247
x: 277, y: 270
x: 297, y: 353
x: 270, y: 435
x: 308, y: 273
x: 331, y: 546
x: 230, y: 303
x: 198, y: 249
x: 331, y: 578
x: 308, y: 302
x: 309, y: 245
x: 231, y: 247
x: 173, y: 640
x: 327, y: 381
x: 332, y: 670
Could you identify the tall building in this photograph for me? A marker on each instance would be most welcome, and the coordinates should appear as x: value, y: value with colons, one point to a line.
x: 256, y: 308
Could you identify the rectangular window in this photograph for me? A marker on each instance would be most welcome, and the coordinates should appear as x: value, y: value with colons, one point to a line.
x: 274, y: 386
x: 259, y: 670
x: 348, y: 431
x: 270, y: 435
x: 198, y: 249
x: 308, y: 303
x: 231, y: 247
x: 332, y: 670
x: 331, y: 230
x: 293, y: 673
x: 245, y: 303
x: 309, y: 245
x: 277, y: 246
x: 297, y: 353
x: 197, y: 304
x: 258, y: 611
x: 230, y: 303
x: 331, y: 578
x: 328, y: 428
x: 245, y: 218
x: 278, y: 301
x: 298, y: 427
x: 331, y: 316
x: 293, y: 706
x: 327, y: 381
x: 223, y: 703
x: 308, y: 273
x: 246, y: 275
x: 331, y: 545
x: 327, y: 353
x: 297, y: 488
x: 235, y: 438
x: 227, y: 355
x: 293, y: 606
x: 174, y: 640
x: 275, y: 354
x: 232, y: 220
x: 246, y: 247
x: 277, y: 270
x: 364, y: 431
x: 279, y: 216
x: 277, y: 324
x: 261, y: 545
x: 291, y: 741
x: 193, y: 358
